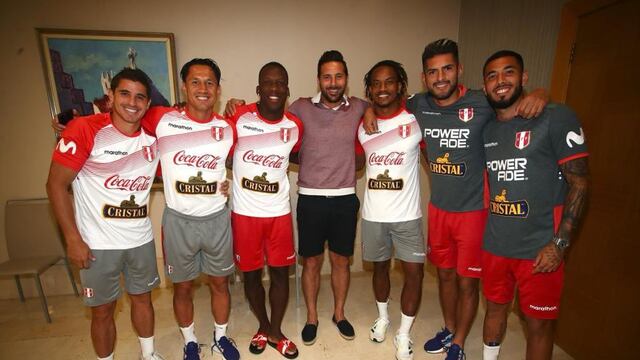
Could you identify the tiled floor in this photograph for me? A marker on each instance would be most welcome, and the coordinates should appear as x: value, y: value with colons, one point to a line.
x: 25, y: 335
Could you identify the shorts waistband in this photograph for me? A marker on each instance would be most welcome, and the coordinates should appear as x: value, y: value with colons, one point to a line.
x: 212, y: 216
x: 325, y: 196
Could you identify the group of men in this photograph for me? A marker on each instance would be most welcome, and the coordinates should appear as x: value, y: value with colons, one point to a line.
x: 470, y: 140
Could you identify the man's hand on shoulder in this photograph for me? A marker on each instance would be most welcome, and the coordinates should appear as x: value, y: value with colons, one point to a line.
x: 370, y: 121
x: 232, y: 105
x: 533, y: 104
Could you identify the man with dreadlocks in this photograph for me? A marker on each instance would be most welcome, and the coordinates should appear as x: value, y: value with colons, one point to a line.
x: 391, y: 214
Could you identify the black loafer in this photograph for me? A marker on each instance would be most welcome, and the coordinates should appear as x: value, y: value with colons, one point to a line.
x: 345, y: 328
x: 309, y: 333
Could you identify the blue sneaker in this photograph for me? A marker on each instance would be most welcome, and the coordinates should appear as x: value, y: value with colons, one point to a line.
x: 225, y: 347
x: 455, y: 352
x: 440, y: 342
x: 191, y: 351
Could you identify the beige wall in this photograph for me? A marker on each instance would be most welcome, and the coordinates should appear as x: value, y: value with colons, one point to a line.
x: 529, y: 27
x: 239, y: 35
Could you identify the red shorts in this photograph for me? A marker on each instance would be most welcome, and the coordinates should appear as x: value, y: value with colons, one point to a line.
x: 257, y: 237
x: 455, y: 240
x: 539, y: 294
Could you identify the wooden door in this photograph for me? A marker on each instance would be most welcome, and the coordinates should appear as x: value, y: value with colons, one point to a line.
x: 597, y: 73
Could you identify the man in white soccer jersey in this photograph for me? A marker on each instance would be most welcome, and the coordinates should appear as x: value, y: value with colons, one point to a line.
x: 261, y: 217
x: 110, y: 163
x: 391, y: 215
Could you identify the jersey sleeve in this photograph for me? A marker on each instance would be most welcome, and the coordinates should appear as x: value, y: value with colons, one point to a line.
x: 234, y: 132
x: 152, y: 117
x: 75, y: 144
x: 566, y: 134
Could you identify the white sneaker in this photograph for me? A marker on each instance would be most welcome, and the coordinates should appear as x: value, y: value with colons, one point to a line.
x: 404, y: 347
x: 154, y: 356
x: 379, y: 330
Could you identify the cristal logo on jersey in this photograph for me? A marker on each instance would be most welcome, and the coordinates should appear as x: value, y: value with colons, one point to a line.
x: 500, y: 206
x: 385, y: 182
x: 128, y: 209
x: 509, y: 169
x: 196, y: 185
x: 203, y: 161
x: 149, y: 153
x: 285, y: 135
x: 442, y: 166
x: 465, y: 114
x: 522, y: 139
x: 260, y: 183
x: 217, y: 133
x: 577, y: 139
x: 64, y: 147
x: 449, y: 138
x: 404, y: 130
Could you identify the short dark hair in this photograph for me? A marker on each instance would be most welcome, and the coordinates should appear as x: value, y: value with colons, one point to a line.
x: 400, y: 73
x: 273, y: 64
x: 200, y: 61
x: 440, y: 47
x: 136, y: 75
x: 329, y: 56
x: 501, y: 54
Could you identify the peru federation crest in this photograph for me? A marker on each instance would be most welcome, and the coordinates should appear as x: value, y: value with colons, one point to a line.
x: 522, y: 139
x: 404, y: 130
x: 285, y: 135
x: 148, y: 152
x: 217, y: 133
x: 465, y: 114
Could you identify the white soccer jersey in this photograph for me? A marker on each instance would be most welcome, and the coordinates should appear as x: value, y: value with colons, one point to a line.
x: 392, y: 160
x: 260, y: 162
x: 193, y: 156
x: 111, y: 191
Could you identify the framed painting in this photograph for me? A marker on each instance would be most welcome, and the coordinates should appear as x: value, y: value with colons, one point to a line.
x: 79, y: 65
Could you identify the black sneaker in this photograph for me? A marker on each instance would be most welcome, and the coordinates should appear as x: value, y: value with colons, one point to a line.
x: 309, y: 333
x: 345, y: 328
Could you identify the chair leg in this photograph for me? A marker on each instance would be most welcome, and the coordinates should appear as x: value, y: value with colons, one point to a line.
x: 43, y: 299
x: 73, y: 282
x: 19, y: 286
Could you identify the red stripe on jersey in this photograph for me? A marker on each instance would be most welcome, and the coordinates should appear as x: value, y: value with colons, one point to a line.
x: 573, y: 157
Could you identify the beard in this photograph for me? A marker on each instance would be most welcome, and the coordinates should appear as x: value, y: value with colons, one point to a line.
x: 506, y: 102
x: 454, y: 87
x: 325, y: 94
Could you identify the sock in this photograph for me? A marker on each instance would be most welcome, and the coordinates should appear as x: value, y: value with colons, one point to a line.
x: 490, y: 352
x: 221, y: 330
x: 146, y: 345
x: 383, y: 313
x: 109, y: 357
x: 405, y: 324
x: 189, y: 334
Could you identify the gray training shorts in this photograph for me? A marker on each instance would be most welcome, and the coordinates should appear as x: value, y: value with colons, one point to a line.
x: 195, y: 244
x: 406, y: 237
x: 101, y: 281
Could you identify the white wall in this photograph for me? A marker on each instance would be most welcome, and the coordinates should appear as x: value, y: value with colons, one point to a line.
x: 240, y: 35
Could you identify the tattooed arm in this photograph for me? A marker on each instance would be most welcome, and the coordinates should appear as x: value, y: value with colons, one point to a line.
x: 577, y: 173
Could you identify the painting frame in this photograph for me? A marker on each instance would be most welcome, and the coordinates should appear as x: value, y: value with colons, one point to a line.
x: 92, y: 53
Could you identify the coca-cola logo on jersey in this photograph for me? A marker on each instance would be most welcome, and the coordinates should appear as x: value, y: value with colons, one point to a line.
x: 140, y: 183
x: 392, y: 158
x: 206, y: 161
x: 271, y: 161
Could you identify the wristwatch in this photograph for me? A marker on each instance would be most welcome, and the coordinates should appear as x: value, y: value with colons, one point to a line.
x: 560, y: 242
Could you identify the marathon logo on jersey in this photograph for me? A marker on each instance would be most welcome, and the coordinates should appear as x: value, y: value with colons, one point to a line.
x: 443, y: 166
x: 217, y: 133
x: 88, y: 293
x: 204, y: 161
x: 522, y: 139
x: 449, y: 138
x: 64, y: 147
x: 385, y: 182
x: 128, y: 209
x: 502, y: 207
x: 260, y: 183
x: 196, y: 185
x: 404, y: 130
x: 149, y: 153
x: 285, y: 135
x: 509, y: 169
x: 465, y: 114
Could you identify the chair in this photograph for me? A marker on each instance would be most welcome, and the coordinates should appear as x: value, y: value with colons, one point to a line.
x: 34, y: 244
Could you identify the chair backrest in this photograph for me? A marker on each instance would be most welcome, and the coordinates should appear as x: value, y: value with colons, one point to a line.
x: 31, y: 229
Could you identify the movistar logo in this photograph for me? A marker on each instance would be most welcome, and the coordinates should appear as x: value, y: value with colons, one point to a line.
x: 575, y: 138
x: 63, y: 148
